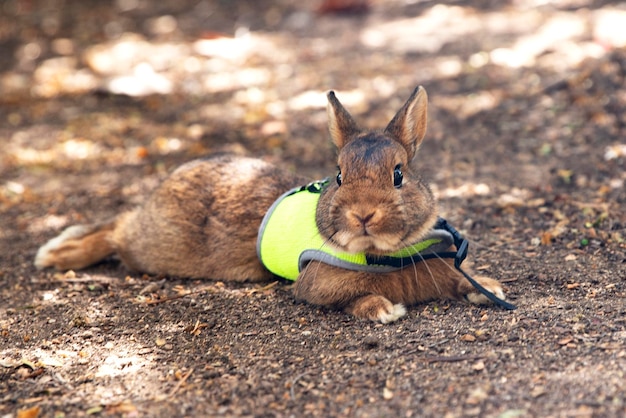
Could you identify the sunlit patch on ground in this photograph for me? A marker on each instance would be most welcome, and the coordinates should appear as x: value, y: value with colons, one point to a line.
x: 525, y: 149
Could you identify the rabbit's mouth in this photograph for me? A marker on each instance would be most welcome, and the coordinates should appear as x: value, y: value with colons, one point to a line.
x: 367, y: 243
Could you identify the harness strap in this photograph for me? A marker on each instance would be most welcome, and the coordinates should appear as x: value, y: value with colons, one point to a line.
x: 462, y: 246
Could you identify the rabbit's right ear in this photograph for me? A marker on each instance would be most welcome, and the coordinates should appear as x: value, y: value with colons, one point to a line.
x: 341, y: 126
x: 409, y: 124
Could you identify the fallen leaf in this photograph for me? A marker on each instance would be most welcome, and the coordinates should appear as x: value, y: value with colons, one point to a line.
x: 125, y: 407
x: 565, y: 175
x: 538, y: 391
x: 468, y: 338
x: 478, y: 366
x: 142, y: 152
x: 29, y: 413
x: 566, y: 340
x: 94, y: 410
x: 547, y: 238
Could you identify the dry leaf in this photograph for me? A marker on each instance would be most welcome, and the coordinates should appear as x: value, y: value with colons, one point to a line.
x: 94, y: 410
x: 547, y: 238
x: 126, y: 407
x: 566, y: 341
x: 538, y: 391
x: 478, y: 366
x: 29, y: 413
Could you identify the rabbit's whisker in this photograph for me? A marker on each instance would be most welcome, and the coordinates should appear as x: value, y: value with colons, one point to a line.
x: 319, y: 263
x: 430, y: 273
x: 447, y: 264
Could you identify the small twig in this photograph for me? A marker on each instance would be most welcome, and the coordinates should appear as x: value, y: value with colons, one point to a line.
x: 450, y: 359
x: 167, y: 299
x: 106, y: 280
x: 152, y: 287
x: 180, y: 383
x: 435, y: 344
x: 264, y: 288
x: 292, y: 391
x: 155, y: 301
x: 197, y: 327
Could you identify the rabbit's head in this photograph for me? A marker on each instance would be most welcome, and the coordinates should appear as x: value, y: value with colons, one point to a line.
x: 378, y: 203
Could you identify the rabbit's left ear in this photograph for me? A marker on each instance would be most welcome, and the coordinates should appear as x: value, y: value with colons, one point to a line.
x: 409, y: 124
x: 341, y: 126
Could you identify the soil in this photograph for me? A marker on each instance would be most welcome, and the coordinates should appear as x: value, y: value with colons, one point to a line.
x: 525, y: 150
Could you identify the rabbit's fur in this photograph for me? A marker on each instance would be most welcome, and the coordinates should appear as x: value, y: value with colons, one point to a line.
x: 203, y: 220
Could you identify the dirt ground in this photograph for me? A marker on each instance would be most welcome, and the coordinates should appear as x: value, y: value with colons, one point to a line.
x: 526, y: 151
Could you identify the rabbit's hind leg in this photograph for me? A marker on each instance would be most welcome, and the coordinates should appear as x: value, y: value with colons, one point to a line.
x: 77, y: 247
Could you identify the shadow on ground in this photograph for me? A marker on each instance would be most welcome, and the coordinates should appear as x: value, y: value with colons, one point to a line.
x: 525, y: 150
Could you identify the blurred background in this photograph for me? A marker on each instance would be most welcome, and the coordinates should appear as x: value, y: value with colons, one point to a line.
x: 106, y: 97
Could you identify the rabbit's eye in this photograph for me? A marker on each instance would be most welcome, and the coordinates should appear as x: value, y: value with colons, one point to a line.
x: 397, y: 176
x: 339, y: 178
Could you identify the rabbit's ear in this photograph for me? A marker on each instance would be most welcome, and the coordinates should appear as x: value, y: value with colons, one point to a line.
x: 409, y: 124
x: 340, y: 123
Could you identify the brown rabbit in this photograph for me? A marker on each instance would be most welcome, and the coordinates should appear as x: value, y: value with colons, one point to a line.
x: 204, y: 221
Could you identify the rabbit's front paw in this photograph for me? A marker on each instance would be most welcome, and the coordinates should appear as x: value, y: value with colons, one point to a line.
x: 376, y: 308
x: 491, y: 285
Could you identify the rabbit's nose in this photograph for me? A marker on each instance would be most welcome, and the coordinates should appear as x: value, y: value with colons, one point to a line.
x: 361, y: 220
x: 365, y: 219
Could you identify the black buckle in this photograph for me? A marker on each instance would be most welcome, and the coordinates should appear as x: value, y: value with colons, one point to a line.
x: 316, y: 186
x: 462, y: 246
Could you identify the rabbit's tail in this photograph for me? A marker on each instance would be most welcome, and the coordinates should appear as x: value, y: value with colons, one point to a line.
x: 78, y: 246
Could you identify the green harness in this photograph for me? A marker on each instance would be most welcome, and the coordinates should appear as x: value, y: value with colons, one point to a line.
x: 289, y: 240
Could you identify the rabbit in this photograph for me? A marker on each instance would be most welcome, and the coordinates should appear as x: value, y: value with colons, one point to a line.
x: 203, y: 221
